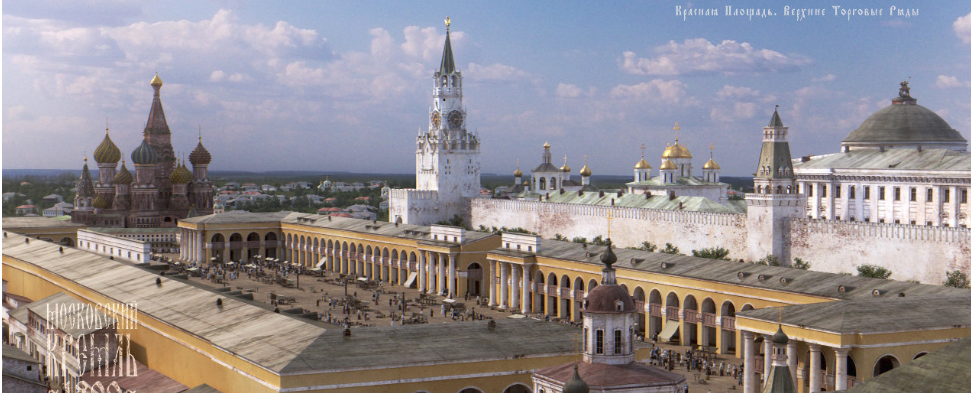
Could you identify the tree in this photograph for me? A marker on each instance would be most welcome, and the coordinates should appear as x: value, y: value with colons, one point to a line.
x: 645, y: 246
x: 581, y: 240
x: 798, y: 263
x: 560, y: 237
x: 712, y: 253
x: 768, y: 260
x: 873, y: 271
x: 957, y: 279
x: 599, y: 241
x: 671, y: 249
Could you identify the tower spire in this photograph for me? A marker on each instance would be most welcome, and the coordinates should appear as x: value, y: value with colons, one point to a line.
x: 448, y: 63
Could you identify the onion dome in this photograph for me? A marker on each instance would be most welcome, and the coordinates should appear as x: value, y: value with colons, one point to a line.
x: 575, y: 384
x: 180, y: 175
x: 780, y: 337
x: 642, y: 164
x: 667, y: 164
x: 546, y: 145
x: 585, y: 171
x: 107, y: 152
x: 565, y: 168
x: 608, y: 297
x: 156, y: 81
x: 144, y: 154
x: 518, y: 173
x: 200, y: 156
x: 676, y: 151
x: 711, y: 164
x: 100, y: 202
x: 123, y: 176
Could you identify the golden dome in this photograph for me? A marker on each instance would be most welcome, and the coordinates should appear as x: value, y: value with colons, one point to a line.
x: 518, y: 173
x: 156, y: 81
x: 676, y: 151
x: 565, y: 168
x: 585, y: 171
x: 107, y: 152
x: 667, y: 164
x: 642, y: 164
x: 711, y: 164
x: 546, y: 145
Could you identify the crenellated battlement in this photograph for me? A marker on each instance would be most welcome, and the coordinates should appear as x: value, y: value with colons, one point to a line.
x: 637, y: 213
x: 413, y: 194
x: 862, y: 230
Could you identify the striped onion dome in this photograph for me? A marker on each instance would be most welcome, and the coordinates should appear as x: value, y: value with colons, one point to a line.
x: 144, y: 154
x: 200, y: 156
x: 180, y: 175
x: 107, y: 152
x: 123, y: 176
x: 100, y: 202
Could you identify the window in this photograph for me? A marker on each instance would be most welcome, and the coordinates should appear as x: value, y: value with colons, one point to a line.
x: 852, y: 192
x: 964, y: 196
x: 600, y: 341
x: 837, y: 191
x: 913, y: 194
x: 822, y: 192
x: 618, y: 340
x: 586, y: 338
x: 866, y: 192
x: 896, y: 193
x: 946, y: 198
x: 810, y: 189
x: 883, y: 191
x: 930, y: 195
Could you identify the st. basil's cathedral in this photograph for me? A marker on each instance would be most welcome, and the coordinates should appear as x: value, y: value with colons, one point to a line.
x: 161, y: 191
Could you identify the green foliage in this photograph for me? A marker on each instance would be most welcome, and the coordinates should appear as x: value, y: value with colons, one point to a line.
x: 957, y: 279
x: 873, y: 271
x: 768, y: 260
x: 455, y: 221
x: 560, y: 237
x: 671, y: 249
x: 645, y: 246
x: 599, y: 241
x: 581, y: 240
x: 798, y: 263
x: 712, y: 253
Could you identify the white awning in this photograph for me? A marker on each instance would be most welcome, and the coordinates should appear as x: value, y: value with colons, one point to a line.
x: 448, y: 300
x: 364, y: 279
x: 670, y: 329
x: 321, y: 263
x: 516, y: 316
x: 411, y: 279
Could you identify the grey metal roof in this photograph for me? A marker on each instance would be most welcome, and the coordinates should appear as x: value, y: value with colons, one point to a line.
x: 659, y: 202
x: 904, y: 123
x: 942, y: 371
x: 13, y: 223
x: 383, y: 228
x: 546, y: 167
x: 68, y: 310
x: 891, y: 159
x: 237, y: 216
x: 12, y: 352
x: 877, y: 314
x: 658, y: 181
x: 806, y: 282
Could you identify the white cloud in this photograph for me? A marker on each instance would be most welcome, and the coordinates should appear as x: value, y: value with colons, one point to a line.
x: 565, y: 90
x: 729, y: 91
x: 657, y: 90
x: 699, y: 56
x: 737, y: 111
x: 962, y: 27
x: 495, y: 72
x: 825, y: 78
x: 948, y: 82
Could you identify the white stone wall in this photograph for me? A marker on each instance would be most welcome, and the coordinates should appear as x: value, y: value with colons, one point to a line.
x: 420, y: 207
x: 629, y: 227
x: 911, y: 252
x: 131, y: 250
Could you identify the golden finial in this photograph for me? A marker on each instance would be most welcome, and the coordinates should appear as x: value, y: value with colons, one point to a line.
x: 448, y: 22
x: 712, y: 148
x: 642, y: 150
x: 517, y: 163
x: 564, y: 160
x: 677, y: 128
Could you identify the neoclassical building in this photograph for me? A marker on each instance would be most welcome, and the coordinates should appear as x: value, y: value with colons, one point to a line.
x: 162, y: 189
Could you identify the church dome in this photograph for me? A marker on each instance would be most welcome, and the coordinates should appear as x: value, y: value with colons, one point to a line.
x: 199, y: 155
x: 642, y: 164
x: 575, y: 384
x: 904, y: 124
x: 711, y: 164
x: 585, y: 171
x: 565, y: 168
x: 180, y: 175
x: 100, y: 202
x: 123, y: 176
x: 156, y: 81
x: 676, y: 151
x: 144, y: 154
x: 780, y: 337
x: 518, y: 173
x: 606, y: 298
x: 667, y: 164
x: 107, y: 152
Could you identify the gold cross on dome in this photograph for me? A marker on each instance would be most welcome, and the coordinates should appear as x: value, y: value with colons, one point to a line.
x: 448, y: 22
x: 676, y: 129
x: 642, y: 150
x: 712, y: 148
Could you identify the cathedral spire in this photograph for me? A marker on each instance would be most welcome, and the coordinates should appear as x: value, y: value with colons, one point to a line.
x: 156, y: 117
x: 448, y: 63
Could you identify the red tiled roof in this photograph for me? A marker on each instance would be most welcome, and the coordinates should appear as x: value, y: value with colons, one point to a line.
x: 148, y: 380
x: 602, y: 376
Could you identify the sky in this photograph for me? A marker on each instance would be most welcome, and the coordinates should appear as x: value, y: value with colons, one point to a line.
x: 346, y: 86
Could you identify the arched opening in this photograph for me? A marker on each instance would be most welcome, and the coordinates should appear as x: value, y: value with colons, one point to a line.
x: 252, y: 245
x: 728, y: 327
x: 552, y: 183
x: 640, y: 322
x: 551, y: 296
x: 542, y: 183
x: 807, y: 364
x: 919, y: 355
x: 851, y: 372
x: 671, y: 307
x: 691, y: 321
x: 884, y: 364
x: 565, y: 310
x: 471, y: 390
x: 518, y: 388
x: 235, y: 247
x: 656, y: 320
x: 473, y: 282
x: 709, y: 327
x: 66, y: 241
x: 578, y: 298
x: 270, y: 244
x: 361, y: 266
x: 539, y: 304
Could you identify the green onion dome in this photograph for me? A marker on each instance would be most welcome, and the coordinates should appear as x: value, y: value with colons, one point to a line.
x: 144, y: 154
x: 107, y: 152
x: 123, y: 176
x: 100, y: 202
x: 575, y: 384
x: 180, y: 175
x: 200, y: 156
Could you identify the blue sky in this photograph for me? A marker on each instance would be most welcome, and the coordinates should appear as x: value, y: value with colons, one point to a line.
x: 345, y: 86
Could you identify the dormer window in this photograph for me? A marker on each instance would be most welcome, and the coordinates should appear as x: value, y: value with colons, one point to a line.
x: 619, y: 305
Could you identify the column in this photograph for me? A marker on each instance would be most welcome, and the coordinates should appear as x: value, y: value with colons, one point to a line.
x: 767, y: 363
x: 514, y: 287
x: 527, y: 308
x: 452, y: 282
x: 816, y: 198
x: 954, y: 211
x: 440, y: 283
x: 922, y: 205
x: 814, y: 368
x: 421, y: 270
x: 905, y: 205
x: 830, y: 201
x: 792, y: 361
x: 860, y: 194
x: 492, y: 284
x: 750, y: 384
x: 503, y: 285
x: 844, y: 201
x: 841, y: 366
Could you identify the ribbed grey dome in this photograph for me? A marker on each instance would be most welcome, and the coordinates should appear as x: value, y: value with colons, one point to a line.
x: 906, y: 123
